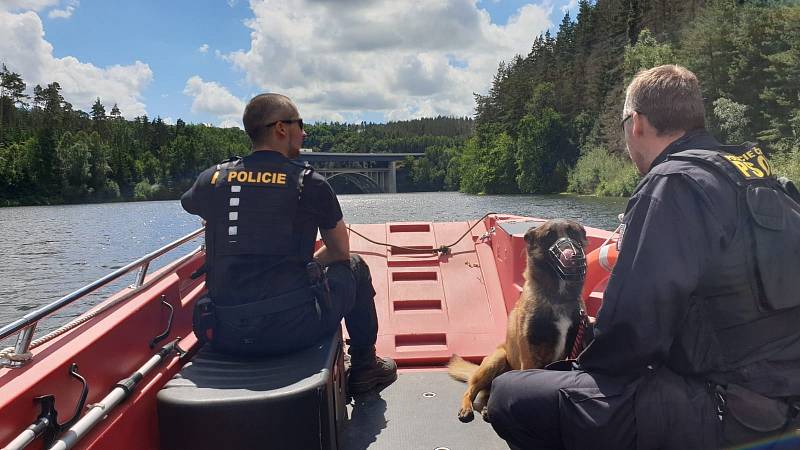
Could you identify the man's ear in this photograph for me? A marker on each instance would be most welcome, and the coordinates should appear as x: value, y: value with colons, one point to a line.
x: 280, y: 130
x: 639, y: 123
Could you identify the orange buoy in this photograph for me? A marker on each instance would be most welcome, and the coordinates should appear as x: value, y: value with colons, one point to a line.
x: 599, y: 264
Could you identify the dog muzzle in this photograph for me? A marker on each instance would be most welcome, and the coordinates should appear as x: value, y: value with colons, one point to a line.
x: 567, y: 258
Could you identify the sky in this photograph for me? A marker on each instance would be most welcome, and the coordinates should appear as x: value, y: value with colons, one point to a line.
x: 339, y: 60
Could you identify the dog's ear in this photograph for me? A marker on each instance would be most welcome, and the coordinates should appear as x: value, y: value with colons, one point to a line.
x: 530, y: 235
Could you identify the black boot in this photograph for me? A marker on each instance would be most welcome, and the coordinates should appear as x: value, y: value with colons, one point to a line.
x: 368, y: 371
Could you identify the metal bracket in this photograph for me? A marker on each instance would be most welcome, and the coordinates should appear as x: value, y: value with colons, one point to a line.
x: 49, y: 416
x: 164, y: 334
x: 140, y: 275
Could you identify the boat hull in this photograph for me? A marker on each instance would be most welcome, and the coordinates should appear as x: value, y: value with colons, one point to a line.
x: 429, y: 307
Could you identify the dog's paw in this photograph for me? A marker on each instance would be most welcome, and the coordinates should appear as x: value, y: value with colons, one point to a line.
x: 465, y: 415
x: 485, y: 414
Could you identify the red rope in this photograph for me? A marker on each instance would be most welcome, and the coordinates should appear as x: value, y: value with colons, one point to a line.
x: 577, y: 345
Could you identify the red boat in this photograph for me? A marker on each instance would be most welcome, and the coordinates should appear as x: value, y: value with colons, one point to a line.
x: 443, y: 288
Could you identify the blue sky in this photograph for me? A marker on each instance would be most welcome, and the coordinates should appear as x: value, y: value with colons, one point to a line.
x: 346, y: 60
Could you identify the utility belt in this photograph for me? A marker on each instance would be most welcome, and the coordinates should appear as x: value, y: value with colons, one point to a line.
x: 207, y: 315
x: 747, y: 416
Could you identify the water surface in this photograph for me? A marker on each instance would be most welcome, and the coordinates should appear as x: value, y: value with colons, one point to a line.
x: 50, y: 251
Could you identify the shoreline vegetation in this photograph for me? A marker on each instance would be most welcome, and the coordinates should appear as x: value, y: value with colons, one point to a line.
x: 549, y: 123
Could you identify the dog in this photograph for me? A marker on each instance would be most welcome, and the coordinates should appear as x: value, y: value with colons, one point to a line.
x: 547, y: 313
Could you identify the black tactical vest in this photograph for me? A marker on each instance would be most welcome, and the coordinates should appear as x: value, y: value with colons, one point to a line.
x: 253, y: 209
x: 747, y: 308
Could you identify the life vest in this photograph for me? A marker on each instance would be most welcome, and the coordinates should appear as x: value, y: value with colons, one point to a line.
x: 253, y: 209
x: 747, y: 307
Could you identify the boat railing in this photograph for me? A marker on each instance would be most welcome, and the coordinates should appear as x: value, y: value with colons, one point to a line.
x: 26, y: 325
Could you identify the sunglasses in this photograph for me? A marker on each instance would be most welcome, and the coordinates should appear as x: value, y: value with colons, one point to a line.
x: 622, y: 124
x: 289, y: 121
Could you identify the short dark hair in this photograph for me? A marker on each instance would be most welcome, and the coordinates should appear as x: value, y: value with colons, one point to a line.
x: 263, y: 109
x: 669, y: 96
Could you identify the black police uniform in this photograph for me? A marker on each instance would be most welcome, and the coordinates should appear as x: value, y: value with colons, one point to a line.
x: 262, y: 213
x: 696, y: 344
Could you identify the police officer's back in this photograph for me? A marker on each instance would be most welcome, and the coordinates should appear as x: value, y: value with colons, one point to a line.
x: 262, y: 213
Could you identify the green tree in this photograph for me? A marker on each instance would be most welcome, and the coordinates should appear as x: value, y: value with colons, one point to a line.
x: 647, y: 53
x: 543, y: 153
x: 732, y: 119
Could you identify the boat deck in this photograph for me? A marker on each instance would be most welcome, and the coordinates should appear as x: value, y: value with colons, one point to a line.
x: 429, y: 306
x: 418, y: 411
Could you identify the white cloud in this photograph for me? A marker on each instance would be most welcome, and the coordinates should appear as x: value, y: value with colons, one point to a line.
x: 570, y: 7
x: 232, y: 3
x: 26, y: 52
x: 230, y: 123
x: 26, y: 5
x: 168, y: 120
x: 203, y: 48
x: 65, y: 13
x: 403, y: 59
x: 214, y: 99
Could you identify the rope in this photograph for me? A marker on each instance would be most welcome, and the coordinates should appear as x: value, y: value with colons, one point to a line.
x: 444, y: 249
x: 9, y: 353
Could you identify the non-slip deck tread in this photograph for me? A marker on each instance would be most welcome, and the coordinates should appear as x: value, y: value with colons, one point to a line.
x: 401, y: 418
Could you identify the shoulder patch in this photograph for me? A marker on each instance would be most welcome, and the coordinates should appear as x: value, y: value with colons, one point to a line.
x: 752, y: 164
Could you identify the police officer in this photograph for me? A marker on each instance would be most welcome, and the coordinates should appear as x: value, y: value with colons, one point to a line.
x: 268, y: 293
x: 697, y: 344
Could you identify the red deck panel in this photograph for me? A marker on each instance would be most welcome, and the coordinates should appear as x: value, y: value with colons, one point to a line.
x: 431, y: 306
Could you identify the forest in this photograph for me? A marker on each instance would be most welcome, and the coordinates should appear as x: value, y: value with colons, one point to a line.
x: 51, y: 153
x: 549, y: 122
x: 551, y: 119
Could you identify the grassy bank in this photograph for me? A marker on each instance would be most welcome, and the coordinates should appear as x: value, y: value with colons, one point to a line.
x: 601, y: 173
x: 787, y: 164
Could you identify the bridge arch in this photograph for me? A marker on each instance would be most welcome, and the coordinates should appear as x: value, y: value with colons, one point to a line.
x: 369, y: 172
x: 362, y: 181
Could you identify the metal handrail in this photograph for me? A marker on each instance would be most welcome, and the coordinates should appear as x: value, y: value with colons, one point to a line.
x: 29, y: 320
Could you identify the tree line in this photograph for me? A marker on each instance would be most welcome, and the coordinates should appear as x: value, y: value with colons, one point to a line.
x: 51, y: 152
x: 549, y: 122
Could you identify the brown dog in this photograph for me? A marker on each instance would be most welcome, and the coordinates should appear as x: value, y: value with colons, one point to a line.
x: 548, y: 310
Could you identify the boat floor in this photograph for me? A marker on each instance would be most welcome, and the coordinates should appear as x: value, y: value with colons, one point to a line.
x: 405, y: 415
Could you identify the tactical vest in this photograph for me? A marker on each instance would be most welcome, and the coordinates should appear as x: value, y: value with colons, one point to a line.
x: 746, y: 308
x: 254, y: 205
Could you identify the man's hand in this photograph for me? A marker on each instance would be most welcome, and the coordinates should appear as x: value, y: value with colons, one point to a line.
x: 336, y: 245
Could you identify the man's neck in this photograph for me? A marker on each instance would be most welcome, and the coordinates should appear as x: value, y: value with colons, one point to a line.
x: 272, y: 149
x: 659, y: 144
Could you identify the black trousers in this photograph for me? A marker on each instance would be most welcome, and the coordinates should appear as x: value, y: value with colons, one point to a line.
x: 547, y: 409
x: 352, y: 298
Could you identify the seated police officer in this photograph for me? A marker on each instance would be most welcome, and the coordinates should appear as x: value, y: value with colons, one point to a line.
x: 267, y: 289
x: 697, y: 344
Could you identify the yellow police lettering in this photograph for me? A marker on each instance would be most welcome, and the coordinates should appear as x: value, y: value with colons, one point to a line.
x: 255, y: 177
x: 740, y: 165
x: 762, y: 161
x: 214, y: 177
x: 757, y: 172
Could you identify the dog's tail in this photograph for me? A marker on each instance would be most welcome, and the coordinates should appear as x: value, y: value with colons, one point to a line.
x: 461, y: 369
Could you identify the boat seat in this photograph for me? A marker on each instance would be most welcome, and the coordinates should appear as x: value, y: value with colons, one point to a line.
x: 219, y: 401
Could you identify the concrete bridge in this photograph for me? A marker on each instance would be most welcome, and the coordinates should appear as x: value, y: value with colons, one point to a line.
x: 371, y: 172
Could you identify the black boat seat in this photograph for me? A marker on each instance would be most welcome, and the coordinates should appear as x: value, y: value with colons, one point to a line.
x: 219, y: 401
